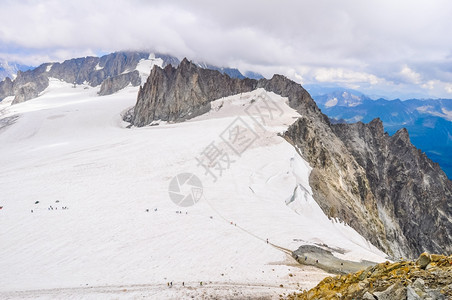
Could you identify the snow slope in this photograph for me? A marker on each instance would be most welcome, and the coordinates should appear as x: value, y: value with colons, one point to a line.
x: 70, y: 148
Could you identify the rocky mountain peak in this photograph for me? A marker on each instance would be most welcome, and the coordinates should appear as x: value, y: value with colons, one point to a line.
x: 177, y: 94
x: 185, y: 64
x: 402, y: 135
x: 376, y: 126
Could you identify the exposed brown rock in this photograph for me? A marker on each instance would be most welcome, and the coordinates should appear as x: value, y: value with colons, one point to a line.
x: 394, y: 281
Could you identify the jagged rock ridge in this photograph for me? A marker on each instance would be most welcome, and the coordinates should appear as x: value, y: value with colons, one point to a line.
x: 369, y: 190
x: 177, y: 94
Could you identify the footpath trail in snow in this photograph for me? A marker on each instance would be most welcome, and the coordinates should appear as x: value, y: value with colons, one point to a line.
x: 119, y: 228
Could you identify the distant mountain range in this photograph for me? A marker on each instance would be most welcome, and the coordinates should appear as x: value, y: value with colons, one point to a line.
x: 10, y: 69
x: 428, y: 121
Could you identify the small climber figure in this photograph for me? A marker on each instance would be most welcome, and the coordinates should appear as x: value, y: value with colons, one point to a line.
x: 200, y: 283
x: 171, y: 284
x: 31, y: 211
x: 305, y: 258
x: 183, y: 283
x: 317, y: 261
x: 167, y: 284
x: 267, y: 241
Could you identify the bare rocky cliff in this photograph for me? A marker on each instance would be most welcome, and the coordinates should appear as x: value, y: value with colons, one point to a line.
x: 177, y: 94
x: 113, y: 84
x: 414, y: 195
x: 389, y: 192
x: 382, y: 186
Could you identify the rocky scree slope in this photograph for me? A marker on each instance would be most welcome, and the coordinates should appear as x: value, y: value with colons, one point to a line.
x: 113, y: 71
x: 430, y: 277
x: 378, y: 207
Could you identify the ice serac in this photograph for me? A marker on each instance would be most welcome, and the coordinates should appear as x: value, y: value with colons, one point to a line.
x: 414, y: 195
x: 381, y: 186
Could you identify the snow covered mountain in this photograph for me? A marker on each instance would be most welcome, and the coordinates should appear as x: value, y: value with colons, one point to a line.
x: 86, y: 209
x: 359, y: 171
x: 10, y: 69
x: 214, y: 206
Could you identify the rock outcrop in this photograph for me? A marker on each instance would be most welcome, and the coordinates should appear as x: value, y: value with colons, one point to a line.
x: 382, y: 186
x: 113, y: 84
x: 6, y: 88
x: 177, y: 94
x: 393, y: 281
x: 355, y: 175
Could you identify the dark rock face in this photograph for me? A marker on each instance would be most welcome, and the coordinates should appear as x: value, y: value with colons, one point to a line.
x: 27, y: 85
x: 338, y: 182
x: 382, y: 186
x: 26, y: 92
x: 411, y: 190
x: 91, y: 70
x: 6, y: 88
x: 177, y: 94
x: 113, y: 84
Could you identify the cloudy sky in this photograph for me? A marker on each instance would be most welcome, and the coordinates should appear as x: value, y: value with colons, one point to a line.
x: 389, y: 48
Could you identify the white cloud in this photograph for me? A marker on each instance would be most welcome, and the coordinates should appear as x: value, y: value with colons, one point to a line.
x: 430, y: 85
x: 349, y: 41
x: 448, y: 88
x: 409, y: 75
x: 345, y: 76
